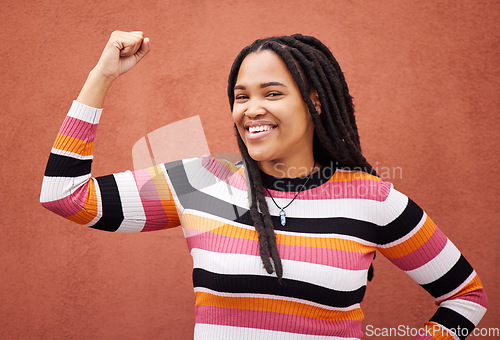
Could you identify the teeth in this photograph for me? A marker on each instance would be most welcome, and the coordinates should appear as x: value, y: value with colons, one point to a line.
x: 261, y: 128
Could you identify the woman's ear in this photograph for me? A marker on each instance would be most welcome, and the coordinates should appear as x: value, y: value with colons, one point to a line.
x: 315, y: 99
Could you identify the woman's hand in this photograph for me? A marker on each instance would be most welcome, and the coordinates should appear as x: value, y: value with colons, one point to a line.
x: 122, y: 52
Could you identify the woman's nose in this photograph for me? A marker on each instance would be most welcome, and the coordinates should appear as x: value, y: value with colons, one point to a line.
x: 254, y: 111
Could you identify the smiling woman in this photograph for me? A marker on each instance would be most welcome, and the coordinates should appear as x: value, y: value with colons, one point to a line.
x: 271, y: 116
x: 282, y: 243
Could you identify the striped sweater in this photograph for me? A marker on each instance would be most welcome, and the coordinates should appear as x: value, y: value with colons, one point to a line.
x: 332, y: 231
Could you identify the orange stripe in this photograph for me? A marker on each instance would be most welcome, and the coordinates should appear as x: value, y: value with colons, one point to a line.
x: 89, y: 211
x: 413, y: 243
x: 172, y: 214
x: 208, y: 225
x: 474, y: 284
x: 323, y: 242
x: 341, y: 176
x: 230, y: 166
x: 433, y: 329
x: 242, y: 173
x: 191, y: 221
x: 75, y: 145
x: 277, y: 306
x: 160, y: 183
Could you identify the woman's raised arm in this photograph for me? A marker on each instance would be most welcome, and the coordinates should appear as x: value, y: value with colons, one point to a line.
x: 129, y: 201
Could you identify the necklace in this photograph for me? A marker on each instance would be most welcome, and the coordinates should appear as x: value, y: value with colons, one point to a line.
x: 282, y: 210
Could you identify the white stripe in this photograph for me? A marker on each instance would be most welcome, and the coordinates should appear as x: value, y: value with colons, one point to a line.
x: 359, y: 209
x: 71, y: 154
x: 55, y: 188
x: 276, y: 297
x: 219, y: 332
x: 395, y: 204
x: 438, y: 266
x: 456, y: 290
x: 242, y: 264
x: 409, y: 235
x: 204, y: 181
x: 86, y: 113
x: 133, y: 210
x: 468, y: 309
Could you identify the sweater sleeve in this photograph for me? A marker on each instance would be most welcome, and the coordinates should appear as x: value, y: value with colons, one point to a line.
x: 412, y: 241
x: 131, y: 201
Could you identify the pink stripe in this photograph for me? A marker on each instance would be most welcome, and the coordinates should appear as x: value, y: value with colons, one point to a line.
x: 220, y: 170
x: 360, y: 189
x: 69, y: 205
x: 156, y: 217
x: 191, y: 232
x: 324, y: 256
x: 222, y: 244
x: 277, y: 322
x: 476, y: 296
x: 329, y: 257
x: 78, y: 129
x: 424, y: 254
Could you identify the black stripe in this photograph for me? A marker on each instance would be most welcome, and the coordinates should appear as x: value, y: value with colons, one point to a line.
x: 270, y: 285
x: 402, y: 225
x: 333, y: 225
x: 194, y: 199
x: 64, y: 166
x: 451, y: 280
x: 112, y: 213
x: 454, y: 321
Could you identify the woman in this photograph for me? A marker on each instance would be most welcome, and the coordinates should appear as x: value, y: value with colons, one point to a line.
x: 282, y: 243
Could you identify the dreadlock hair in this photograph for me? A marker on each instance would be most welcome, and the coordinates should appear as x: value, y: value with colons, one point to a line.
x: 335, y: 141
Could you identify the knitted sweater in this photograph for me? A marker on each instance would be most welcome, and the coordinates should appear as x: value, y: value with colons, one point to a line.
x: 332, y: 231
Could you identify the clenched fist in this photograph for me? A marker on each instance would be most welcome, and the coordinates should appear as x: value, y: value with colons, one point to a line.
x: 122, y: 52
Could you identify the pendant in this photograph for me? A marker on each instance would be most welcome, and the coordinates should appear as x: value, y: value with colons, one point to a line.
x: 282, y: 217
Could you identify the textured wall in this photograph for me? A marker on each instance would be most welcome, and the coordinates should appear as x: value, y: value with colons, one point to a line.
x: 425, y: 78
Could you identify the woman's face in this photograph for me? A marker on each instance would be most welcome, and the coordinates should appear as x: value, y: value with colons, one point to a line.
x: 272, y: 118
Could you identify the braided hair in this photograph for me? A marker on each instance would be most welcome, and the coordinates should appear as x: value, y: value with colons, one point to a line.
x: 336, y: 138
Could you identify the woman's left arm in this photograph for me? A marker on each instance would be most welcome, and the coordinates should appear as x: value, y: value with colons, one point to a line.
x: 412, y: 241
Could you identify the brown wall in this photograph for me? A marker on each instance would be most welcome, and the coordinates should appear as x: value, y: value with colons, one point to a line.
x: 425, y: 78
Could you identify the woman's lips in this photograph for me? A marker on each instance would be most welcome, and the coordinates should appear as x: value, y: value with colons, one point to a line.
x: 258, y: 129
x: 258, y: 134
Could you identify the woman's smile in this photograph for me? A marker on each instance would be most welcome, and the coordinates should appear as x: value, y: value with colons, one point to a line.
x: 255, y: 130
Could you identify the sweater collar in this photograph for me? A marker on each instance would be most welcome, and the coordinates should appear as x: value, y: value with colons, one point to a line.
x: 318, y: 178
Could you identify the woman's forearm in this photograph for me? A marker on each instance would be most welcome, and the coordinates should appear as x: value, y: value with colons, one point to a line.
x: 94, y: 90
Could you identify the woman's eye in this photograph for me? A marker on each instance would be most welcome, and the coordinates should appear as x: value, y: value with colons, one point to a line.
x: 274, y: 94
x: 241, y: 97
